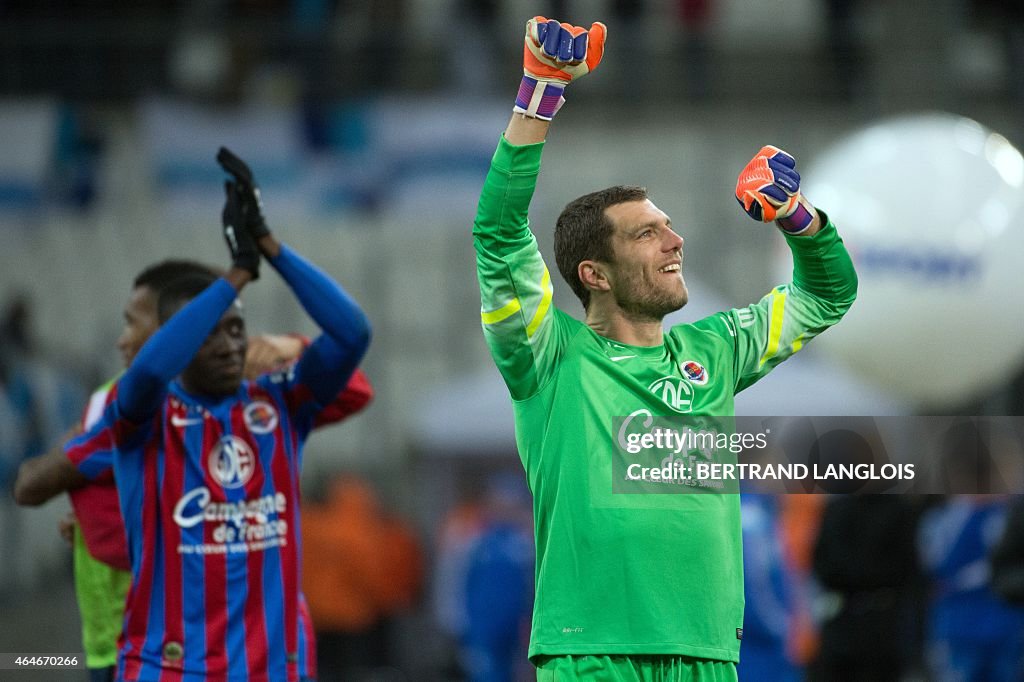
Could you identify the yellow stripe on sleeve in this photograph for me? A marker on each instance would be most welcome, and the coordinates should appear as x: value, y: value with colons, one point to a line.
x: 502, y: 313
x: 545, y: 303
x: 798, y: 343
x: 775, y: 332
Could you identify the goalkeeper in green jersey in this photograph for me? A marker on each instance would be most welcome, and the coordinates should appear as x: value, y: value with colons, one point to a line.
x: 630, y: 587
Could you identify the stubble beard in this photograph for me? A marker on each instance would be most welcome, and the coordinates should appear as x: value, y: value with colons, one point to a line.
x: 642, y: 301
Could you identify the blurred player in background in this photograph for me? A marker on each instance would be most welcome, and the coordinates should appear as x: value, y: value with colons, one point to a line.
x: 866, y: 564
x: 362, y: 567
x: 630, y: 587
x: 972, y: 634
x: 772, y: 593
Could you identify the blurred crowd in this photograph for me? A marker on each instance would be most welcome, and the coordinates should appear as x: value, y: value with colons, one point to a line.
x: 890, y: 587
x: 225, y: 49
x: 322, y: 55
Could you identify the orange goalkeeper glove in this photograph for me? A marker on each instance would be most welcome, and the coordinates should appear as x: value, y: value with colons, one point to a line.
x: 555, y: 54
x: 768, y: 189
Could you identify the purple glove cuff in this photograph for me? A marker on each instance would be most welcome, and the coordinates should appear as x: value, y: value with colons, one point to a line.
x: 796, y: 222
x: 539, y: 99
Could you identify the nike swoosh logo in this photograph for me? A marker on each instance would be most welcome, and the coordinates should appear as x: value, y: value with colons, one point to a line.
x: 617, y: 358
x: 184, y: 421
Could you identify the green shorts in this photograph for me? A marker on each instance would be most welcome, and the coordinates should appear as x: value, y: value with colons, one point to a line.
x: 101, y: 592
x: 633, y: 668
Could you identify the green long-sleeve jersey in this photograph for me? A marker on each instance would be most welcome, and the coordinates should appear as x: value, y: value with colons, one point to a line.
x: 629, y: 573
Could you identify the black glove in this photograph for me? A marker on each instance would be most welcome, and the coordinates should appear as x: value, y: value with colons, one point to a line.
x: 248, y: 191
x: 244, y: 252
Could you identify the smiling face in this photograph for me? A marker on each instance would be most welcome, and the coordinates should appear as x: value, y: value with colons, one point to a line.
x: 645, y: 275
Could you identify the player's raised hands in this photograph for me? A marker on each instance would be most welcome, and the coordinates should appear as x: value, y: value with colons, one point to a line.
x: 249, y: 192
x: 768, y: 188
x: 241, y: 244
x: 554, y: 54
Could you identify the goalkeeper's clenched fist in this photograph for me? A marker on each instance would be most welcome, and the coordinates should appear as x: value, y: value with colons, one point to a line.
x: 768, y: 188
x: 555, y: 54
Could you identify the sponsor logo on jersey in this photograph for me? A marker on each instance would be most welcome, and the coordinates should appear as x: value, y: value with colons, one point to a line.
x: 251, y: 525
x: 695, y: 372
x: 260, y: 417
x: 231, y: 462
x: 675, y: 392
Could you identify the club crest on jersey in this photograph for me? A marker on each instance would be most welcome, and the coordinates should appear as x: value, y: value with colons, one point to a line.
x: 231, y: 462
x: 674, y: 392
x: 695, y: 372
x: 260, y: 417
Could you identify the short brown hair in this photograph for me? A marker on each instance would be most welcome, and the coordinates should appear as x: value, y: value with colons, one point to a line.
x: 583, y: 232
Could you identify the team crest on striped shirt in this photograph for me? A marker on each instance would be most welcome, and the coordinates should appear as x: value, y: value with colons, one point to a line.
x: 260, y: 417
x: 231, y: 462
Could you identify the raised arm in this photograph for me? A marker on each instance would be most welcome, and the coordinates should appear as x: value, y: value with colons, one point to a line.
x: 824, y: 283
x: 515, y: 284
x: 327, y: 364
x: 331, y: 359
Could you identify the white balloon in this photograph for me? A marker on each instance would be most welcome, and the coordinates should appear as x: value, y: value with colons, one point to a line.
x: 932, y: 210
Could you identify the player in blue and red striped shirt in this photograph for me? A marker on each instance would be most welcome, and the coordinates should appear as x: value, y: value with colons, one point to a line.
x: 100, y: 552
x: 207, y: 468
